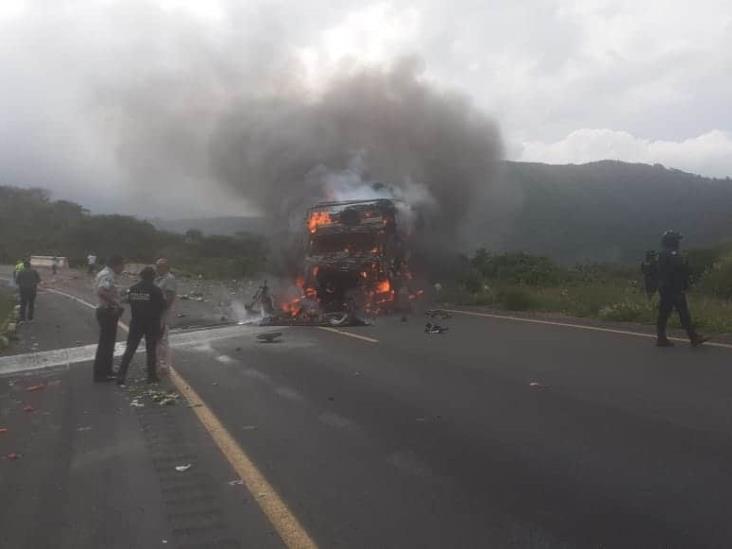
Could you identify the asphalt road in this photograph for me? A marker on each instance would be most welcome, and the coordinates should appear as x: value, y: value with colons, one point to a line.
x: 496, y: 434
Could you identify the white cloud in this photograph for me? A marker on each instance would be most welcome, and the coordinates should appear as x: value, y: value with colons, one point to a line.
x: 707, y: 154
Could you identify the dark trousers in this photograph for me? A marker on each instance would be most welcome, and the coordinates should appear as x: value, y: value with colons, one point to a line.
x: 27, y: 302
x: 150, y: 332
x: 107, y: 319
x: 669, y: 302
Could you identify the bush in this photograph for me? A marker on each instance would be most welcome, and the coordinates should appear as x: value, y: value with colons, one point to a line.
x: 718, y: 279
x: 517, y: 268
x: 516, y: 299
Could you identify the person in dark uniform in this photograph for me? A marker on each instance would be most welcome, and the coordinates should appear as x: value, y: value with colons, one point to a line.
x: 27, y: 281
x: 147, y: 304
x: 673, y: 282
x: 109, y: 311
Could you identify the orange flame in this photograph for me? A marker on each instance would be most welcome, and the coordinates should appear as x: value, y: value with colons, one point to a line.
x: 317, y: 219
x: 383, y: 287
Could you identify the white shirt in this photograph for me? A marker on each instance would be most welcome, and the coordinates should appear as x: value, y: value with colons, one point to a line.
x: 106, y: 279
x: 168, y: 285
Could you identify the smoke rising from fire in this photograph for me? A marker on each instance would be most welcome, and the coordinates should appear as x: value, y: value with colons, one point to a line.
x: 378, y: 132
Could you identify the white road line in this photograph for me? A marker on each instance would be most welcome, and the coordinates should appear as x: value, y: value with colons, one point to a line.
x: 576, y: 326
x: 76, y: 355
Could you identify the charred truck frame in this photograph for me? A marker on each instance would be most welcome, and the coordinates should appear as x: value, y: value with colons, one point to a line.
x: 355, y: 257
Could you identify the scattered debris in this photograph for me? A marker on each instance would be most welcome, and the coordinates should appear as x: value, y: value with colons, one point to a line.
x: 269, y: 337
x: 181, y: 315
x: 3, y: 430
x: 135, y: 403
x: 12, y: 456
x: 536, y: 385
x: 35, y: 387
x: 238, y: 482
x: 28, y: 408
x: 183, y: 468
x: 433, y: 329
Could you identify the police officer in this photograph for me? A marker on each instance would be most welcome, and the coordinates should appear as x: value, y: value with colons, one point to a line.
x: 673, y: 281
x: 108, y: 313
x: 147, y: 304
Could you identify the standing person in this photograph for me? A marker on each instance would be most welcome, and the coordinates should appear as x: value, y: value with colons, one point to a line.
x: 109, y: 312
x: 54, y: 265
x: 167, y: 283
x: 146, y: 305
x: 673, y: 282
x: 27, y: 281
x: 91, y: 263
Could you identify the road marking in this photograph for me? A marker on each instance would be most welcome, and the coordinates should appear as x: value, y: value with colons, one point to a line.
x: 287, y: 526
x: 577, y: 326
x: 349, y: 334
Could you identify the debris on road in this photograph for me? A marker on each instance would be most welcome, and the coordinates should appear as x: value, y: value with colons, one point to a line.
x: 28, y: 408
x: 35, y: 387
x: 238, y: 482
x: 3, y: 430
x: 183, y: 468
x: 269, y: 337
x: 249, y: 428
x: 12, y: 456
x: 536, y: 385
x: 84, y: 429
x: 135, y: 403
x: 433, y: 329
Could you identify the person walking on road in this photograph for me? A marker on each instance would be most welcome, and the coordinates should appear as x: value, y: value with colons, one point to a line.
x: 108, y: 314
x: 146, y: 305
x: 27, y: 281
x: 673, y: 282
x: 91, y: 263
x: 54, y: 265
x: 167, y: 283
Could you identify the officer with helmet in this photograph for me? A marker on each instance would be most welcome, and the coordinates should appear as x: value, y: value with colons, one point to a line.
x: 673, y: 282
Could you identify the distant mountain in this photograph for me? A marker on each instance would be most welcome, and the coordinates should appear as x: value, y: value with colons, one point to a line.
x: 604, y: 211
x: 601, y: 211
x: 228, y: 226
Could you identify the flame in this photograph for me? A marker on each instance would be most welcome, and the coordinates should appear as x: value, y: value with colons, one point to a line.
x: 383, y: 287
x: 317, y: 219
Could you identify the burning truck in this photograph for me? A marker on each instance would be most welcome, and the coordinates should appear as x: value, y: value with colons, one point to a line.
x: 355, y: 264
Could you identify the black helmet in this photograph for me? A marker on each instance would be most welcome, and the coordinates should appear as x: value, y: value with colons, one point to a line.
x: 671, y: 238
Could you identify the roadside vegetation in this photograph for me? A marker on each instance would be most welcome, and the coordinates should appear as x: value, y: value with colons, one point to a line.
x: 32, y: 223
x: 521, y: 282
x: 7, y: 317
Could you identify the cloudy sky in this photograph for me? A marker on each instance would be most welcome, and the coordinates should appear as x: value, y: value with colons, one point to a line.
x: 90, y: 89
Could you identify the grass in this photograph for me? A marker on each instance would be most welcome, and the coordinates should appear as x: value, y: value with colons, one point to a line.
x: 7, y: 303
x: 612, y: 300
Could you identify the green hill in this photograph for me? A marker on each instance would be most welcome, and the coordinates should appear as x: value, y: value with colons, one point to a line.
x: 605, y: 211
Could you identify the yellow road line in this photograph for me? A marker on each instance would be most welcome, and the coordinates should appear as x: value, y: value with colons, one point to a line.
x: 576, y: 326
x: 287, y: 526
x: 349, y: 334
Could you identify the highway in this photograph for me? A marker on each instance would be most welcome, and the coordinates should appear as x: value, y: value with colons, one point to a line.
x: 498, y: 433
